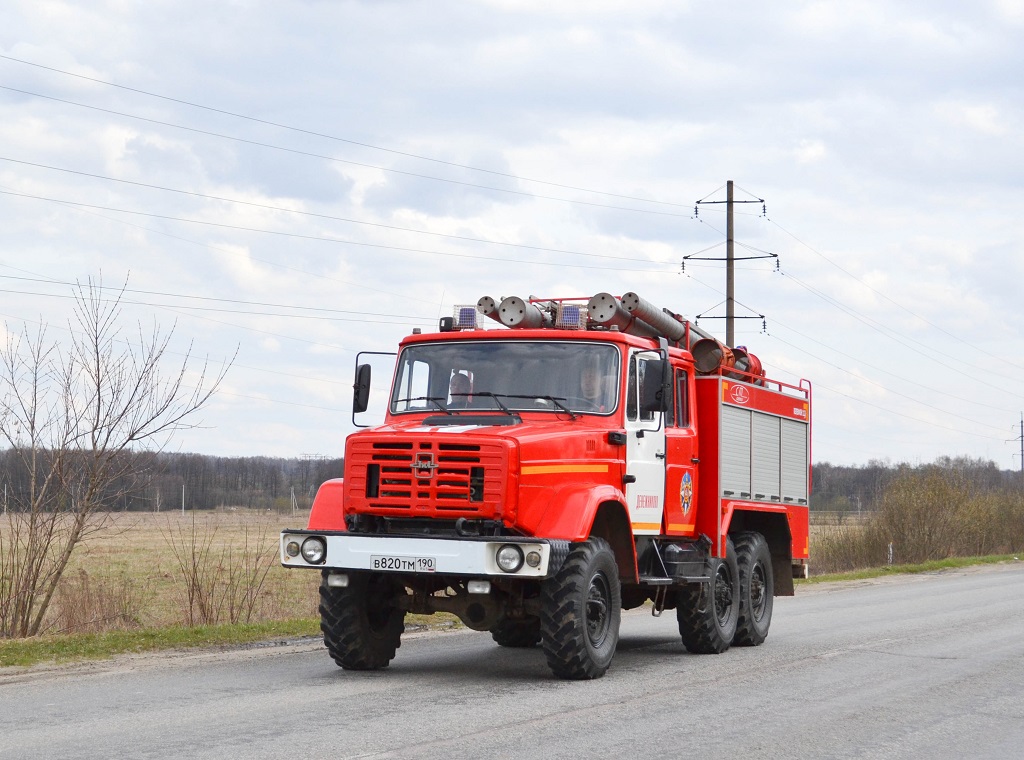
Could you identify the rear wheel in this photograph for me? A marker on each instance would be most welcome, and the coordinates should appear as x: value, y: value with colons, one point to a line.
x: 362, y: 623
x: 518, y: 634
x: 581, y: 607
x: 708, y: 613
x: 757, y: 589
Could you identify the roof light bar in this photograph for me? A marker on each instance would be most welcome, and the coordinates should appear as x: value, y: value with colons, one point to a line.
x: 571, y: 316
x: 466, y: 317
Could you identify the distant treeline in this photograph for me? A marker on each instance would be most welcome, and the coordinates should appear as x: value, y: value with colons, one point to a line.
x: 162, y: 481
x: 209, y: 482
x: 850, y: 489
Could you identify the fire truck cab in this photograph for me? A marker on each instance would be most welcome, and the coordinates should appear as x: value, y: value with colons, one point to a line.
x: 592, y: 456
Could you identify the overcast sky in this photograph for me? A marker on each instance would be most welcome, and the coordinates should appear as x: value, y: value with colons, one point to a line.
x: 311, y: 179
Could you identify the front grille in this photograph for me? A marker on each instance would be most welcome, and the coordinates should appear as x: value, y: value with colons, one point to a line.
x: 428, y: 477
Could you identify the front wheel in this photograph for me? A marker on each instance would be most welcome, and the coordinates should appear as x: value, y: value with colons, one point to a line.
x: 757, y: 589
x: 708, y: 614
x: 362, y: 623
x: 581, y: 607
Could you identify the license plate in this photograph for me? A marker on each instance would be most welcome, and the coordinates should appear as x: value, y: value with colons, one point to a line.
x: 392, y: 563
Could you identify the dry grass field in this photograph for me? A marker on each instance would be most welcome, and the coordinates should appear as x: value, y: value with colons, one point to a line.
x: 153, y: 570
x: 140, y: 567
x: 160, y: 569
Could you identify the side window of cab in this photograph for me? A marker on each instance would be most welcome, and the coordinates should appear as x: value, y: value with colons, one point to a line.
x: 682, y: 398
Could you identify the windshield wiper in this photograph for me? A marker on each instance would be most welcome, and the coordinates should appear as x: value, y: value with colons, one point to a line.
x: 556, y: 400
x: 437, y: 401
x: 497, y: 401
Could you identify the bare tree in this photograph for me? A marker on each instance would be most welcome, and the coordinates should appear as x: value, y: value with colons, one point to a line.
x: 81, y: 420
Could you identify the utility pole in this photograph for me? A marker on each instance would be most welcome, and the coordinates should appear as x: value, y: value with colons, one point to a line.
x: 730, y: 259
x: 1021, y: 439
x: 730, y: 274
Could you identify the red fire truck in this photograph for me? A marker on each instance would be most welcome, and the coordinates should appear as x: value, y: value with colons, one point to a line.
x: 585, y: 457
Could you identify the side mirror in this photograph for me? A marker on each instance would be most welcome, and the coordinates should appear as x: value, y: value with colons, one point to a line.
x: 361, y: 389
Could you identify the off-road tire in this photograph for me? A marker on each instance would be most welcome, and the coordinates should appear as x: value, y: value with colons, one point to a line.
x: 517, y: 634
x: 362, y: 626
x: 757, y: 589
x: 581, y: 607
x: 708, y: 613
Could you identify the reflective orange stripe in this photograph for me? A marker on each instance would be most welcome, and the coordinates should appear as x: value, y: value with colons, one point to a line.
x: 646, y: 526
x: 545, y: 469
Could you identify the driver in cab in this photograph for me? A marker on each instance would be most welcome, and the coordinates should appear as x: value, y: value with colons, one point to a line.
x: 459, y: 388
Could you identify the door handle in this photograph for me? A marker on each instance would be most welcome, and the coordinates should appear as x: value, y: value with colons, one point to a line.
x: 659, y: 454
x: 695, y: 460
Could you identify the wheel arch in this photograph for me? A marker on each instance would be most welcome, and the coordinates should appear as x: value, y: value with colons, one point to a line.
x: 328, y: 511
x: 612, y: 524
x: 775, y: 528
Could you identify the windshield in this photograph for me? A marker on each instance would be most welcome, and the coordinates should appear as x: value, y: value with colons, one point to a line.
x: 507, y: 375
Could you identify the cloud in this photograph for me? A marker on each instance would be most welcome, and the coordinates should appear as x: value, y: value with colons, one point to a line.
x: 880, y: 135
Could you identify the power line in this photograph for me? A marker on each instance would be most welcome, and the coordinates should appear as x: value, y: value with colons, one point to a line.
x: 945, y: 412
x: 861, y: 362
x: 361, y: 319
x: 888, y: 389
x: 880, y: 294
x: 888, y: 332
x: 336, y: 138
x: 360, y: 243
x: 230, y: 252
x: 208, y: 298
x: 335, y: 159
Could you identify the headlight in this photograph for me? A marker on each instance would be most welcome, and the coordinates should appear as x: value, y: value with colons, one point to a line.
x: 509, y: 558
x: 314, y: 550
x: 292, y: 549
x: 533, y: 559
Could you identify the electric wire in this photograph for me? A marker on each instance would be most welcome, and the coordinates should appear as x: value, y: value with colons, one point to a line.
x: 335, y: 159
x: 860, y: 378
x: 227, y: 251
x: 339, y: 139
x: 212, y: 298
x: 222, y: 225
x: 361, y: 319
x: 882, y: 295
x: 835, y: 304
x: 944, y: 412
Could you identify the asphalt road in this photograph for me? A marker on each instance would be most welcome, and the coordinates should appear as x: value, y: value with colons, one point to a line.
x: 928, y: 666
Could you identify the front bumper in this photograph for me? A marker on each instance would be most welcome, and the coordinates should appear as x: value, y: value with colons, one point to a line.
x: 414, y: 555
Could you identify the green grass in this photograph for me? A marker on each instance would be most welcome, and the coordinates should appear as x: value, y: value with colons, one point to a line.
x: 924, y: 567
x: 93, y: 646
x: 99, y: 646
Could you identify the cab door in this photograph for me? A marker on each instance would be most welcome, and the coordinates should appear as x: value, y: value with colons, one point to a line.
x: 645, y: 444
x: 681, y: 461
